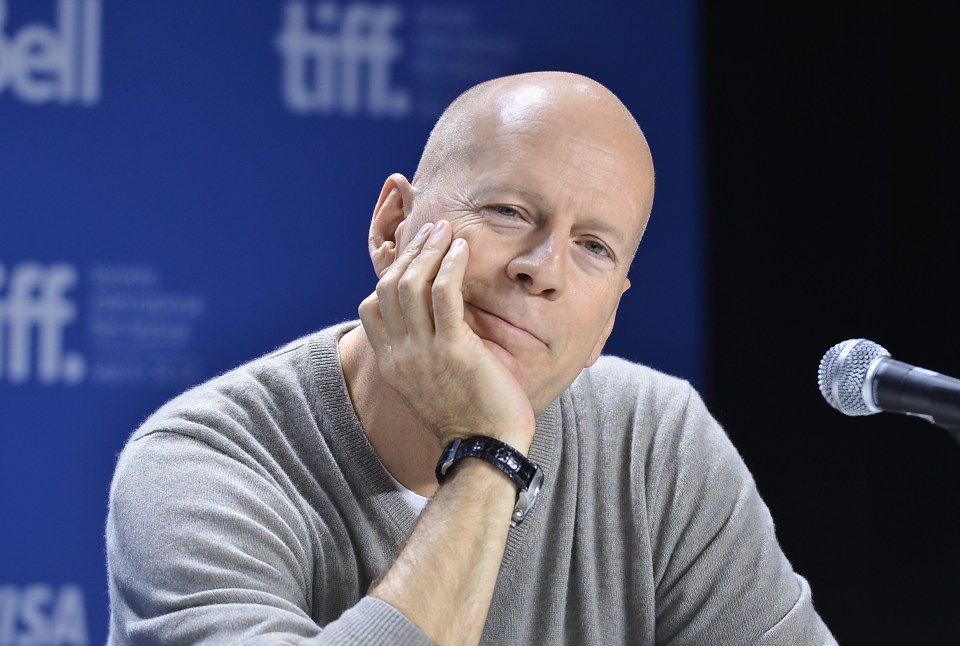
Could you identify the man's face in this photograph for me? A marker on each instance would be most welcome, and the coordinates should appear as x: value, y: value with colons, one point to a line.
x: 552, y: 217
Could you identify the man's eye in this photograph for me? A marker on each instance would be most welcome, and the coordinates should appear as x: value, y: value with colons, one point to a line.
x: 506, y: 211
x: 596, y: 248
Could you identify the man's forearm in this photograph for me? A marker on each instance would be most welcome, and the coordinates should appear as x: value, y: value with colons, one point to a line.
x: 443, y: 578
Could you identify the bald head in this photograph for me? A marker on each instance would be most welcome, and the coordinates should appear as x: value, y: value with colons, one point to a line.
x: 553, y: 105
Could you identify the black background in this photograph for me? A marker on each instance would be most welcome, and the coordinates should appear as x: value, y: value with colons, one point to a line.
x: 832, y: 172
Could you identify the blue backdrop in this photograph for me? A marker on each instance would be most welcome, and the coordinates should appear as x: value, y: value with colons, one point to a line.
x: 186, y: 185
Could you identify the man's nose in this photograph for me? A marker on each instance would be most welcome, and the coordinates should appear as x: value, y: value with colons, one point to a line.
x: 541, y: 266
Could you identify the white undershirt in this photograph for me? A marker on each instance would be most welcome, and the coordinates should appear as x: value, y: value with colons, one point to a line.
x: 415, y: 500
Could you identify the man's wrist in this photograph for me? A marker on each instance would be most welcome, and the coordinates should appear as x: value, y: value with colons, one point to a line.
x: 525, y: 475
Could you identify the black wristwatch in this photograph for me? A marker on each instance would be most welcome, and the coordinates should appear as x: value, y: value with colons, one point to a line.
x: 524, y: 473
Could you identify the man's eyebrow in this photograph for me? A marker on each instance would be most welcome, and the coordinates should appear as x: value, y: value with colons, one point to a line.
x: 485, y: 192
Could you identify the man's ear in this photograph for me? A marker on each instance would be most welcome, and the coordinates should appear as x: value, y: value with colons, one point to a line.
x: 389, y: 216
x: 607, y: 329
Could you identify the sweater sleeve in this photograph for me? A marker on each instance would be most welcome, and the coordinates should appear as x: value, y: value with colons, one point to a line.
x: 721, y: 577
x: 204, y: 549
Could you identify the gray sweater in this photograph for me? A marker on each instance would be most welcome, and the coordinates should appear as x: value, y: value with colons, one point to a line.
x: 252, y: 509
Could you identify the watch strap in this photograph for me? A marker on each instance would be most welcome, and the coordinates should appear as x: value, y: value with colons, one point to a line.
x: 525, y: 474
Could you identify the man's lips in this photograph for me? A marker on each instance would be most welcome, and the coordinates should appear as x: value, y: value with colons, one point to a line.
x: 498, y: 322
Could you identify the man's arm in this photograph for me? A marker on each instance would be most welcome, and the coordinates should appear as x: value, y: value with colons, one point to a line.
x: 205, y: 546
x: 444, y: 577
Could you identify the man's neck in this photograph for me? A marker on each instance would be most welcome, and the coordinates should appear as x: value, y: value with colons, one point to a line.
x: 407, y: 449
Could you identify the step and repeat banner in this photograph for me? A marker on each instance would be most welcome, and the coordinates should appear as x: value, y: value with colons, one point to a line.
x: 186, y: 185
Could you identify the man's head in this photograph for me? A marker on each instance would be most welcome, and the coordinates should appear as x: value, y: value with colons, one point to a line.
x: 549, y: 179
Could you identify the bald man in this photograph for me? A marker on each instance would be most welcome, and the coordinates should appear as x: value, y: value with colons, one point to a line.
x: 462, y: 466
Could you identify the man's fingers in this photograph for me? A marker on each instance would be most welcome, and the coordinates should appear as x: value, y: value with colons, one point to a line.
x: 422, y: 284
x: 446, y: 293
x: 388, y: 301
x: 413, y: 288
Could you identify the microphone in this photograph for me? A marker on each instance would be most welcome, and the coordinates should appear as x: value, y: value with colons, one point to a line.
x: 858, y: 377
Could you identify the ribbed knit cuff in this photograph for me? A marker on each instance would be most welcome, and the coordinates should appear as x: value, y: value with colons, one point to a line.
x: 374, y: 621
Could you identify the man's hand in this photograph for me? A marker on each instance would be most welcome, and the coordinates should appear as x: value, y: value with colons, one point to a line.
x: 427, y: 352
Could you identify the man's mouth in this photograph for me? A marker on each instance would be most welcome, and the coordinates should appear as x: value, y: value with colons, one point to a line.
x: 499, y: 323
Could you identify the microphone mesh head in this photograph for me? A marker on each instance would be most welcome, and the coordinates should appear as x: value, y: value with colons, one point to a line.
x: 843, y: 370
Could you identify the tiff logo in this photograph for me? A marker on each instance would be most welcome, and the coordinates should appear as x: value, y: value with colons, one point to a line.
x: 43, y: 64
x: 323, y: 65
x: 36, y: 306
